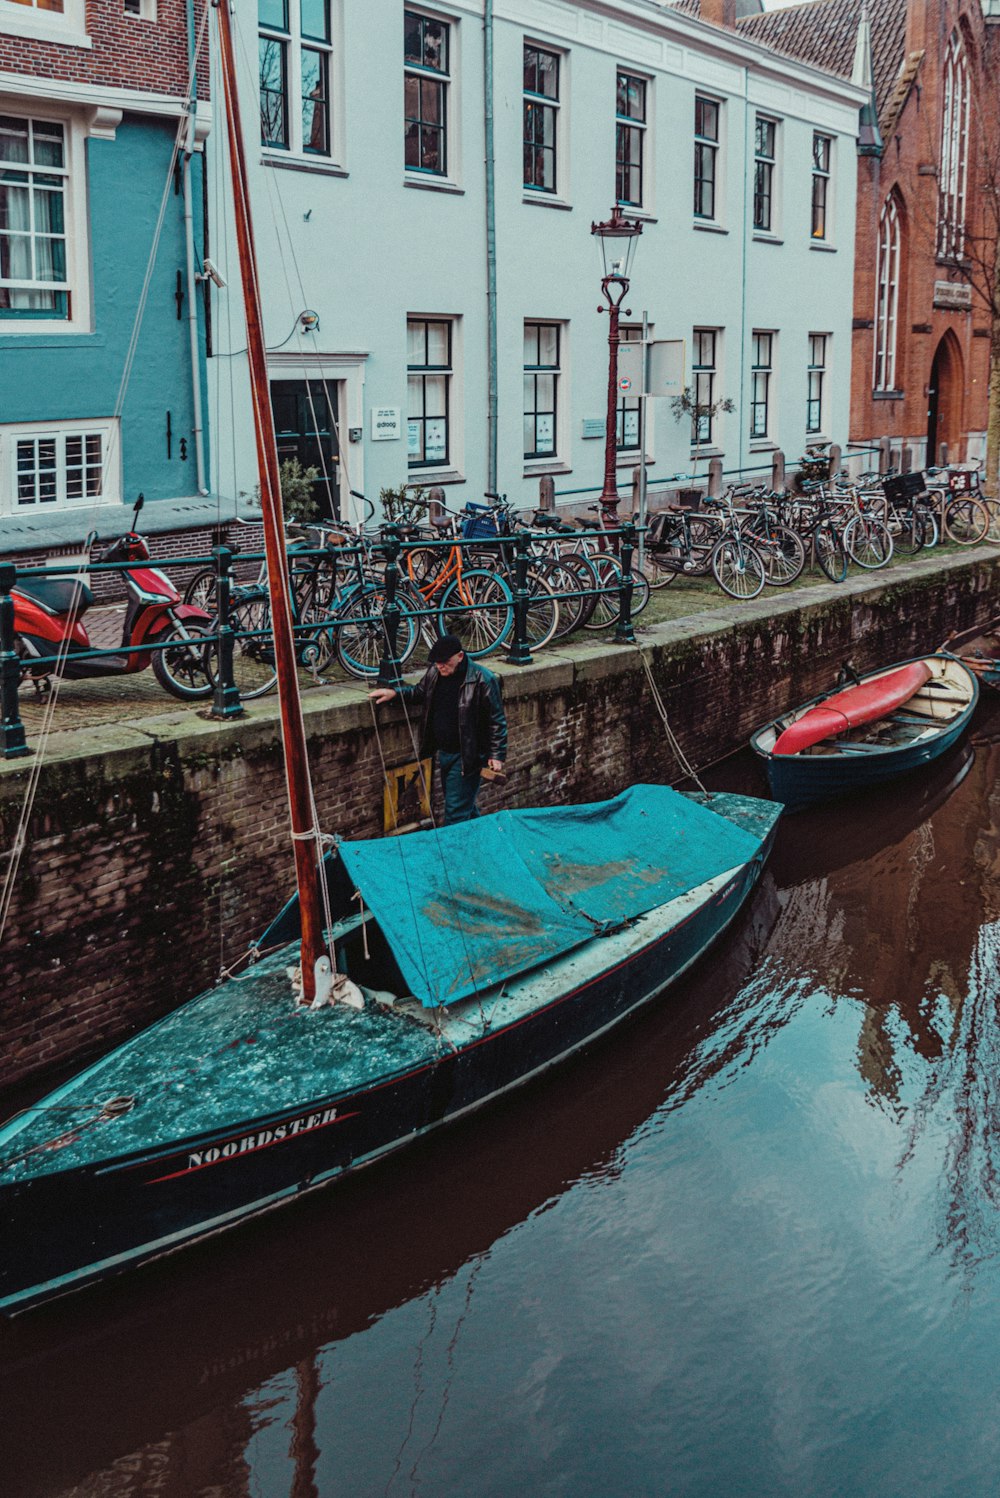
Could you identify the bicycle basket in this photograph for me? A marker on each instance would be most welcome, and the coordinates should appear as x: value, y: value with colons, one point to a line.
x: 661, y: 529
x: 904, y: 487
x: 962, y: 480
x: 480, y: 523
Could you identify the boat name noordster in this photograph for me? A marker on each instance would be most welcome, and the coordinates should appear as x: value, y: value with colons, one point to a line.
x: 260, y: 1139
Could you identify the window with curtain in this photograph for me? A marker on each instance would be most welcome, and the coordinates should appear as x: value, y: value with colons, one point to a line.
x: 34, y: 185
x: 887, y: 297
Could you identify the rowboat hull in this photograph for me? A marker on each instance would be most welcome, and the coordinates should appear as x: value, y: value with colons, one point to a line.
x: 69, y: 1228
x: 842, y: 765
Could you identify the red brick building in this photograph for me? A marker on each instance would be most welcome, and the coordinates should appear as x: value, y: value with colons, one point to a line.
x: 921, y: 343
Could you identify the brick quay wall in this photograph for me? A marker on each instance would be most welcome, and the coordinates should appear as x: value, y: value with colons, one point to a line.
x: 158, y: 848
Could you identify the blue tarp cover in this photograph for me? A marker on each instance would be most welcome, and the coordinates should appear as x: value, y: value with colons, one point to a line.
x: 466, y: 906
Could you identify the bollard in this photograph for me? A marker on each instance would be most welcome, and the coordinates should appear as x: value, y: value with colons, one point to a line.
x: 390, y: 671
x: 836, y: 460
x: 519, y: 653
x: 624, y: 633
x: 714, y: 478
x: 777, y: 470
x: 884, y: 458
x: 547, y: 493
x: 435, y: 504
x: 226, y: 697
x: 11, y: 728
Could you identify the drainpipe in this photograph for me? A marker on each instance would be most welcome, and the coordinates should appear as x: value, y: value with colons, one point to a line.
x: 491, y: 253
x: 192, y: 278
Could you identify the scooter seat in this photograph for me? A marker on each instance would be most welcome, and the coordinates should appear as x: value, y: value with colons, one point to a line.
x: 56, y: 595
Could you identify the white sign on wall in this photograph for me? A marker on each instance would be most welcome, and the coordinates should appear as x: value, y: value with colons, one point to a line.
x: 386, y: 425
x: 630, y: 368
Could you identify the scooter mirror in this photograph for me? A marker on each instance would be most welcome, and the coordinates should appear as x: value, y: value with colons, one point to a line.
x: 138, y: 506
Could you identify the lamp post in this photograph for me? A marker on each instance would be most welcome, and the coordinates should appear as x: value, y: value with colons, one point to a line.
x: 616, y: 238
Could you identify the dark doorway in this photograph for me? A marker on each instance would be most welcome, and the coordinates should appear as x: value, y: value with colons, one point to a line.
x: 944, y: 402
x: 305, y: 424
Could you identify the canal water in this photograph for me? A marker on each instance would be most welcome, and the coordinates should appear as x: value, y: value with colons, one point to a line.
x: 748, y: 1246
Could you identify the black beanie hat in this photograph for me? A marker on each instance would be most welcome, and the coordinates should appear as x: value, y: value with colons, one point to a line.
x: 445, y: 648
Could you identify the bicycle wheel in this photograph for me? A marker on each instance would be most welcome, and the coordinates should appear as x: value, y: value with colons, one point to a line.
x: 658, y: 570
x: 254, y: 669
x: 567, y: 578
x: 782, y: 552
x: 966, y: 521
x: 868, y: 542
x: 200, y: 589
x: 909, y: 530
x: 542, y: 619
x: 737, y: 568
x: 359, y: 628
x: 830, y: 553
x: 479, y: 609
x: 182, y: 668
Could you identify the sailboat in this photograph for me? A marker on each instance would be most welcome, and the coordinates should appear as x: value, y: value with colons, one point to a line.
x: 407, y: 983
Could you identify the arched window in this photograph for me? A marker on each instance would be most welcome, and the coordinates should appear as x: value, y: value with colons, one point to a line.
x: 954, y: 150
x: 887, y: 297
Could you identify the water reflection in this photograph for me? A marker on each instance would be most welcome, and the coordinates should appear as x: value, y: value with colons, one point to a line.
x: 688, y: 1226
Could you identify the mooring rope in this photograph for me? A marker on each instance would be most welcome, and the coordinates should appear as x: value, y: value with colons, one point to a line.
x: 690, y: 772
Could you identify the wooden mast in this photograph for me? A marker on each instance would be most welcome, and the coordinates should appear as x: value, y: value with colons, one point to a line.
x: 307, y: 860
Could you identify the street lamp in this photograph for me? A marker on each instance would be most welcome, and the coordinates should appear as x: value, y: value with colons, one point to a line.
x: 616, y: 237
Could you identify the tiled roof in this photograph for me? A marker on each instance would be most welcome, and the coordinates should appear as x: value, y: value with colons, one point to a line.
x: 824, y: 33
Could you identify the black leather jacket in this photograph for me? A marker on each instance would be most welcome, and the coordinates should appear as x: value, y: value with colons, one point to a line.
x: 482, y: 725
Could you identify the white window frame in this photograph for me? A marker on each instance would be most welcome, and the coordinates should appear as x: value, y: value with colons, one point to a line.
x: 296, y: 42
x: 816, y: 373
x: 10, y: 435
x: 451, y: 176
x: 819, y: 175
x: 540, y: 461
x: 77, y: 224
x: 887, y: 297
x: 715, y: 218
x: 765, y: 372
x: 712, y: 371
x: 529, y: 189
x: 772, y: 164
x: 644, y: 126
x: 450, y: 468
x: 954, y: 169
x: 66, y: 28
x: 145, y: 10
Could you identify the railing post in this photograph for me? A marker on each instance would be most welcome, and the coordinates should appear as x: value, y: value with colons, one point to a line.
x: 519, y: 654
x: 624, y: 633
x: 12, y: 738
x: 390, y: 671
x: 226, y: 697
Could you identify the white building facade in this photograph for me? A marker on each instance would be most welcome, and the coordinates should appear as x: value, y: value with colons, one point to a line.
x: 381, y: 238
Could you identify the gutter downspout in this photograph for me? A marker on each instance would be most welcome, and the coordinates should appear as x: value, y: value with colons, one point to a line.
x: 192, y: 279
x: 491, y: 253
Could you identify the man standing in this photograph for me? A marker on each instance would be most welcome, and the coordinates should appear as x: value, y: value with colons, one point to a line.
x: 462, y: 721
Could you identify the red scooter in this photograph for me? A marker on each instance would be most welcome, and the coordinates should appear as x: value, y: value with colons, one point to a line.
x: 48, y: 621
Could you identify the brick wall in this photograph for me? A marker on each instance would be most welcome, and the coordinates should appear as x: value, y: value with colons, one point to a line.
x: 908, y: 167
x: 154, y: 860
x: 127, y: 51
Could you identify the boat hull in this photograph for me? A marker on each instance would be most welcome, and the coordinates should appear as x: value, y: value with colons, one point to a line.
x: 92, y: 1222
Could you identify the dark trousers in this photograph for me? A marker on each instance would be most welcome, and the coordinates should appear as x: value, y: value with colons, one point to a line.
x: 460, y: 791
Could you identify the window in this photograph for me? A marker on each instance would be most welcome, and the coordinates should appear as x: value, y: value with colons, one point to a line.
x: 144, y: 10
x: 34, y: 183
x: 703, y: 369
x: 627, y: 432
x: 541, y: 118
x: 764, y: 145
x: 954, y: 151
x: 760, y: 384
x: 48, y: 20
x: 630, y: 132
x: 428, y: 362
x: 887, y: 297
x: 541, y: 384
x: 706, y: 154
x: 815, y: 378
x: 820, y: 185
x: 46, y: 468
x: 295, y: 47
x: 426, y: 83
